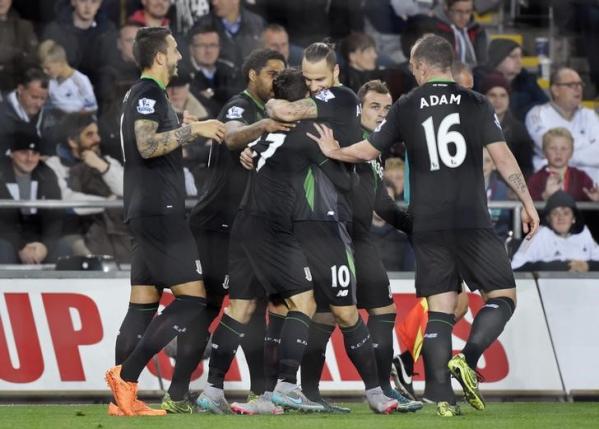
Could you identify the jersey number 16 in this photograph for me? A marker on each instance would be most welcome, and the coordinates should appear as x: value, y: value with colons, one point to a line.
x: 438, y: 146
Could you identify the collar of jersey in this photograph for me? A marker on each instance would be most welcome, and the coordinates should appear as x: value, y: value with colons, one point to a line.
x: 440, y: 81
x: 160, y: 84
x: 257, y: 102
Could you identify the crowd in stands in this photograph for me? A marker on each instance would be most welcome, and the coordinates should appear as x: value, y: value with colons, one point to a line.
x: 65, y: 66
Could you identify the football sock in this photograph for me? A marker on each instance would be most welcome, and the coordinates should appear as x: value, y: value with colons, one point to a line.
x: 360, y: 350
x: 436, y: 352
x: 314, y: 358
x: 381, y: 329
x: 176, y: 318
x: 134, y: 325
x: 225, y: 341
x: 272, y: 339
x: 294, y: 338
x: 252, y: 345
x: 487, y: 326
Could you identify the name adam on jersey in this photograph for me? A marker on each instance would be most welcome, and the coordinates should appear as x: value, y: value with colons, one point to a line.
x: 435, y: 100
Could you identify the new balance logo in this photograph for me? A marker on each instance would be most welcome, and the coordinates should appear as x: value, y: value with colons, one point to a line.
x: 226, y: 282
x: 342, y: 292
x: 308, y: 274
x: 178, y: 329
x: 431, y: 335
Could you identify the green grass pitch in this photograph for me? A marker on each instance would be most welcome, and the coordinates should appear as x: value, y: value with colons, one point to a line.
x: 543, y: 415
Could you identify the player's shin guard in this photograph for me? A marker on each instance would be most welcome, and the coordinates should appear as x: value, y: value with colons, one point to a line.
x: 134, y: 325
x: 272, y: 339
x: 436, y: 352
x: 381, y: 329
x: 314, y: 358
x: 174, y: 320
x: 252, y: 345
x: 294, y: 338
x: 487, y: 326
x: 190, y: 349
x: 359, y: 349
x: 225, y: 342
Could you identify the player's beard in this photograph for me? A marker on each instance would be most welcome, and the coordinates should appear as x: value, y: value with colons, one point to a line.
x: 172, y: 70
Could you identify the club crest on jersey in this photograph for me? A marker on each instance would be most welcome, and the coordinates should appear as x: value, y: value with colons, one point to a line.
x: 325, y: 95
x: 235, y: 112
x: 145, y: 106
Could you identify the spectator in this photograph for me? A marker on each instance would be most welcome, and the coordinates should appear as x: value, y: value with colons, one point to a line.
x: 85, y: 174
x: 18, y: 48
x: 497, y: 90
x: 455, y: 22
x: 393, y: 246
x: 557, y: 175
x: 188, y: 12
x: 359, y: 52
x: 153, y: 14
x: 563, y: 243
x: 83, y: 34
x: 183, y: 100
x: 69, y: 90
x: 505, y: 56
x: 22, y: 108
x: 120, y: 70
x: 394, y: 174
x: 275, y: 37
x: 213, y: 81
x: 496, y: 190
x: 27, y: 235
x: 239, y: 30
x: 565, y: 110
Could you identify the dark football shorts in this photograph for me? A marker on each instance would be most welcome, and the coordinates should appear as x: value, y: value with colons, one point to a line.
x: 373, y: 289
x: 213, y: 248
x: 263, y: 260
x: 327, y: 245
x: 164, y: 253
x: 477, y: 256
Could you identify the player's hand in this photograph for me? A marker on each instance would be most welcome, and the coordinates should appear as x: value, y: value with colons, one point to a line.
x: 530, y: 221
x: 33, y: 253
x: 592, y: 193
x: 578, y: 266
x: 93, y: 160
x: 188, y: 118
x: 272, y: 126
x: 247, y: 158
x: 211, y: 129
x: 326, y: 141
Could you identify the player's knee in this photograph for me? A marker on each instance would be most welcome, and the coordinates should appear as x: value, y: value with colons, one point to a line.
x: 502, y: 293
x: 345, y: 316
x: 302, y: 302
x: 241, y: 310
x: 388, y: 309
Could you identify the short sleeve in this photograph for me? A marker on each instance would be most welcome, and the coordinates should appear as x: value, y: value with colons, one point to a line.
x: 491, y: 131
x: 239, y: 110
x: 388, y: 132
x: 336, y: 102
x: 149, y: 104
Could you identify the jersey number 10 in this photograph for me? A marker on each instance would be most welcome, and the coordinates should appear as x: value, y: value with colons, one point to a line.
x: 438, y: 146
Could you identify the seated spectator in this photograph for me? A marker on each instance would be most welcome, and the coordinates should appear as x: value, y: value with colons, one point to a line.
x: 69, y: 90
x: 183, y: 100
x: 119, y: 69
x: 18, y: 48
x: 23, y: 108
x: 456, y: 23
x: 496, y: 190
x: 85, y: 174
x: 239, y: 29
x: 557, y: 175
x: 153, y: 13
x: 497, y: 90
x: 505, y: 56
x: 393, y: 246
x: 359, y: 52
x: 28, y: 235
x: 563, y: 243
x: 565, y: 110
x: 83, y: 33
x: 213, y: 81
x: 275, y: 37
x: 394, y: 174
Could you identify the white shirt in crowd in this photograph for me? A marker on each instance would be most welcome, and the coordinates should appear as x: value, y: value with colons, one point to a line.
x: 74, y: 94
x: 547, y: 246
x: 584, y: 127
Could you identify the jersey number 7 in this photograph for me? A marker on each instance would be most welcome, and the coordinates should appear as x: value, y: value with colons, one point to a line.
x: 438, y: 146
